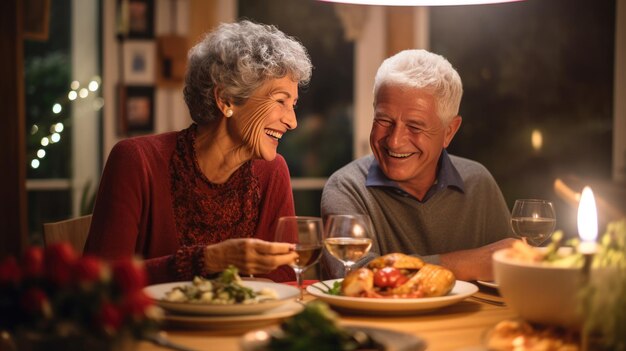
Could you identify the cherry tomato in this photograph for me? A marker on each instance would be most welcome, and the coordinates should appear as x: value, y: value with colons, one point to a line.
x: 389, y: 277
x: 401, y: 280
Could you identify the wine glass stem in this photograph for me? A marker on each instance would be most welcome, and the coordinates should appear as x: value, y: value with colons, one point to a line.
x: 299, y: 280
x: 348, y: 268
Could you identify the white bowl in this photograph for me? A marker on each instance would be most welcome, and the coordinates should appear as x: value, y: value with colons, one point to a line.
x: 539, y: 292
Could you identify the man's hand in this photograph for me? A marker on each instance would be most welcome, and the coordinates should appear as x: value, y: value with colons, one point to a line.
x: 250, y: 256
x: 474, y: 264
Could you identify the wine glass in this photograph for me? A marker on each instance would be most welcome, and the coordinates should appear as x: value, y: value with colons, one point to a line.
x: 348, y: 237
x: 307, y: 233
x: 533, y: 220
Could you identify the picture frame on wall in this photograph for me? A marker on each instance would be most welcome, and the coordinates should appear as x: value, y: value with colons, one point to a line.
x: 136, y: 110
x: 139, y: 65
x: 36, y: 20
x: 171, y: 60
x: 136, y: 19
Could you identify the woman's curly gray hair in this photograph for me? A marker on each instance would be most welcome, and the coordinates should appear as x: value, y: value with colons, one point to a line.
x: 237, y: 58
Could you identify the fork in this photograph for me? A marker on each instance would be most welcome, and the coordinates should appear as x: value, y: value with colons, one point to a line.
x: 488, y: 301
x: 163, y: 341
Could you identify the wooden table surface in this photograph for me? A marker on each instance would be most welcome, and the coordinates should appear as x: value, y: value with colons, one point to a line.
x: 457, y: 327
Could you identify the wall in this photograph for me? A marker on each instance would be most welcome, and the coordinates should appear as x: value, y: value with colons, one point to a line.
x: 194, y: 17
x: 85, y: 134
x: 14, y: 233
x: 619, y: 96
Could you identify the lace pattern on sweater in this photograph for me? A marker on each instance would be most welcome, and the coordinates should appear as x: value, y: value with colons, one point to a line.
x: 207, y: 213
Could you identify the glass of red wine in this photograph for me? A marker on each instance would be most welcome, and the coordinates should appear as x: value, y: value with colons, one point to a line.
x: 308, y: 235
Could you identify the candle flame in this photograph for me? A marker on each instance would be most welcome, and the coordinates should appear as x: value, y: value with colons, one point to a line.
x: 587, y: 216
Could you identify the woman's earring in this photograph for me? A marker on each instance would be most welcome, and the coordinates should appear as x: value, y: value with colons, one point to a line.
x: 229, y: 113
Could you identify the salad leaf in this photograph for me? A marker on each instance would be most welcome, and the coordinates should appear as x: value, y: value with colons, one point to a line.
x: 604, y: 296
x: 317, y: 328
x: 334, y: 290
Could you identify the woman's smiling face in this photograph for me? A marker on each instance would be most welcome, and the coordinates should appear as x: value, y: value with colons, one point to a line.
x: 407, y: 136
x: 266, y: 116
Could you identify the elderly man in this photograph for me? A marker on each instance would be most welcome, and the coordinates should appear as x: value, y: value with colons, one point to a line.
x: 422, y: 201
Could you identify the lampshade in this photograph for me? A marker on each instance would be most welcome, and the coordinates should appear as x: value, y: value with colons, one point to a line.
x: 419, y: 2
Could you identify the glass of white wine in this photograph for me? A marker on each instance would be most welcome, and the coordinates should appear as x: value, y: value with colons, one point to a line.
x: 307, y: 233
x: 348, y: 237
x: 533, y: 220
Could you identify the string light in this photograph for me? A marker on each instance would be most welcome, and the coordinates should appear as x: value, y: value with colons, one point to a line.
x: 57, y: 108
x: 93, y: 85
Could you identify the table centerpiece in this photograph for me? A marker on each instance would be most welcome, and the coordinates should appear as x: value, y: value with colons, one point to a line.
x: 571, y: 286
x: 50, y: 298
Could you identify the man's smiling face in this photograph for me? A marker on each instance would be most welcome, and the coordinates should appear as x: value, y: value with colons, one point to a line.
x: 407, y: 136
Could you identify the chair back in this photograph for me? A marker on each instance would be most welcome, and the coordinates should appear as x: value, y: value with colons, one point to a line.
x: 74, y: 231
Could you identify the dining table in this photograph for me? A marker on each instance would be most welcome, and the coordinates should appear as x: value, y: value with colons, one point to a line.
x: 461, y: 326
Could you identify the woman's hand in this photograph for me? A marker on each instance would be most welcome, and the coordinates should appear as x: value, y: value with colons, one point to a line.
x: 250, y: 256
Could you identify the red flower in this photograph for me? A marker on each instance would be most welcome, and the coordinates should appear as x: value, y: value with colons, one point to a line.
x: 60, y: 258
x: 89, y: 269
x: 33, y: 262
x: 10, y: 273
x: 110, y: 317
x: 129, y: 274
x: 136, y: 304
x: 35, y: 301
x: 61, y: 291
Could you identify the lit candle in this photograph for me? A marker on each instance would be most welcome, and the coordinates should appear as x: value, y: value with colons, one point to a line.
x: 587, y: 222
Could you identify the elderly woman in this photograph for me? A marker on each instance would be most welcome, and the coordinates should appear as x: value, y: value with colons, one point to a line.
x: 195, y: 201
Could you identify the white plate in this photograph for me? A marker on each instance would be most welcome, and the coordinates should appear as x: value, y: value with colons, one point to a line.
x: 285, y: 293
x: 487, y: 284
x: 392, y: 340
x: 250, y: 321
x: 460, y: 291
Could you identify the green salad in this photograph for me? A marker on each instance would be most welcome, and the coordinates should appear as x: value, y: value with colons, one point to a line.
x: 317, y: 328
x: 226, y: 289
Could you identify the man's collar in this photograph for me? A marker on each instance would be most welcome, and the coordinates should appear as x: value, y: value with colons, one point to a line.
x: 447, y: 176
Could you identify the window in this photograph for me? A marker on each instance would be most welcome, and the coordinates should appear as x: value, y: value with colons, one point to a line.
x: 538, y: 81
x: 62, y: 114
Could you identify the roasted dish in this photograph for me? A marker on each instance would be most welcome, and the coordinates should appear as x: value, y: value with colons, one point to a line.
x: 398, y: 275
x: 517, y: 335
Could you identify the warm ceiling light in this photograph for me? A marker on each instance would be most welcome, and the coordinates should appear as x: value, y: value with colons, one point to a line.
x: 419, y: 2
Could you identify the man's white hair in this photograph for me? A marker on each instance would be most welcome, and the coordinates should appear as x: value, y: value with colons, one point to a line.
x: 424, y: 70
